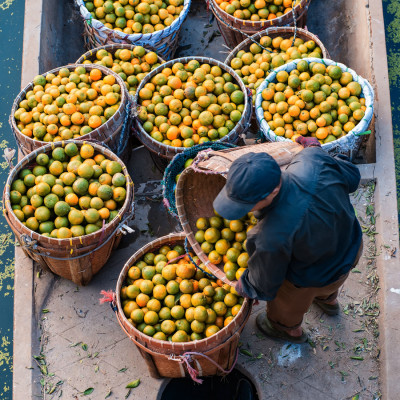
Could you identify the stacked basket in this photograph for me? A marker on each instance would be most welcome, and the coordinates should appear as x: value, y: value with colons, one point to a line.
x: 236, y: 30
x: 164, y: 42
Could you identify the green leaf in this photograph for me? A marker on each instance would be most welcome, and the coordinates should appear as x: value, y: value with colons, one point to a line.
x: 108, y: 394
x: 358, y: 358
x: 84, y: 346
x: 133, y: 384
x: 356, y: 397
x: 45, y: 311
x: 96, y: 368
x: 246, y: 353
x: 88, y: 391
x: 122, y: 369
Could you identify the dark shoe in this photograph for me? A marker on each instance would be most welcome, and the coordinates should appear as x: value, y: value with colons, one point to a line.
x: 329, y: 309
x: 265, y: 326
x: 244, y: 390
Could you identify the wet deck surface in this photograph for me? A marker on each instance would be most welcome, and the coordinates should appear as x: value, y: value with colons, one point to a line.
x: 324, y: 371
x: 11, y: 32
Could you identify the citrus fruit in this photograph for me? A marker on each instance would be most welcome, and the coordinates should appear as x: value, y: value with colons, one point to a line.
x: 178, y: 302
x: 181, y: 108
x: 63, y: 108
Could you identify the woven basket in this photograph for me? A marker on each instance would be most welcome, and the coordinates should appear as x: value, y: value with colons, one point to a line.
x: 163, y: 358
x: 285, y: 32
x: 177, y: 165
x: 348, y: 144
x: 236, y: 30
x: 200, y: 184
x: 163, y: 42
x: 80, y: 258
x: 113, y: 133
x: 111, y: 48
x: 168, y: 152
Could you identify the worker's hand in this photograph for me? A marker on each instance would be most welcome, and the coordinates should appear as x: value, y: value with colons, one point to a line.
x: 239, y: 289
x: 308, y: 141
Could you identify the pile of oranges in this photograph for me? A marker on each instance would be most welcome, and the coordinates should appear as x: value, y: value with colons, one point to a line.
x: 254, y: 65
x: 258, y: 10
x: 190, y: 104
x: 70, y: 194
x: 131, y: 65
x: 169, y: 299
x: 314, y: 100
x: 67, y: 105
x: 135, y: 16
x: 225, y: 242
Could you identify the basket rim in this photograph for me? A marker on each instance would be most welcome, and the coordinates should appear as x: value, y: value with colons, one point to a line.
x: 261, y: 24
x: 183, y: 219
x: 223, y: 66
x: 124, y: 99
x: 140, y: 36
x: 172, y: 237
x: 361, y: 126
x: 45, y: 149
x: 276, y: 30
x: 116, y: 46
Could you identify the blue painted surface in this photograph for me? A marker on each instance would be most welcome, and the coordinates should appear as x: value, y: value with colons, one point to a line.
x: 391, y: 11
x: 11, y: 35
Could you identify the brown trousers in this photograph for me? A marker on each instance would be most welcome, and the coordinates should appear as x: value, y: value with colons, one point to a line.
x: 287, y: 309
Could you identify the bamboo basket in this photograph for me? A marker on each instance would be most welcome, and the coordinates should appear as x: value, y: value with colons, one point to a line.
x: 177, y: 165
x: 164, y: 42
x: 200, y: 184
x: 112, y: 134
x: 236, y: 30
x: 80, y: 258
x: 165, y: 359
x: 111, y: 48
x: 168, y: 152
x: 285, y: 32
x: 348, y: 144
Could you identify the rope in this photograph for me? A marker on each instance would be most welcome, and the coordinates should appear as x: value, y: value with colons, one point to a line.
x: 202, y: 156
x: 187, y: 358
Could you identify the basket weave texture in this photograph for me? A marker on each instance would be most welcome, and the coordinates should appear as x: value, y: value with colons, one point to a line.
x: 169, y: 152
x: 348, y: 144
x: 177, y: 165
x: 113, y: 133
x: 283, y: 31
x: 198, y: 187
x: 236, y: 30
x: 164, y: 42
x: 163, y: 358
x: 80, y: 258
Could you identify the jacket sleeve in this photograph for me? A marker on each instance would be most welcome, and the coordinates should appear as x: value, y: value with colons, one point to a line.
x: 265, y: 273
x: 349, y: 171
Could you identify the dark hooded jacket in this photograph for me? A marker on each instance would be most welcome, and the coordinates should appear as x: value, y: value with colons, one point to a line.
x: 309, y: 234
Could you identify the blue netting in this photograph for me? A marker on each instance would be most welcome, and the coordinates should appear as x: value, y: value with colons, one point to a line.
x: 177, y: 165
